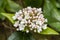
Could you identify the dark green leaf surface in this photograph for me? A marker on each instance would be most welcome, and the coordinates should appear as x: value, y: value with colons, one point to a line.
x: 52, y: 14
x: 56, y: 26
x: 1, y: 16
x: 58, y: 3
x: 2, y: 3
x: 21, y: 36
x: 12, y: 6
x: 33, y: 3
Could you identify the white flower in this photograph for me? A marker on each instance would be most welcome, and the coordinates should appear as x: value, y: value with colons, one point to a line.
x: 19, y: 18
x: 41, y: 16
x: 39, y: 29
x: 29, y: 8
x: 27, y: 31
x: 16, y: 24
x: 33, y: 25
x: 34, y: 30
x: 44, y: 26
x: 20, y: 12
x: 17, y: 29
x: 21, y: 27
x: 27, y: 17
x: 34, y: 8
x: 30, y: 19
x: 46, y: 20
x: 39, y: 10
x: 14, y: 18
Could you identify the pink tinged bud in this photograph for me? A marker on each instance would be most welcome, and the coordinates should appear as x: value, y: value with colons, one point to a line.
x: 41, y: 16
x: 19, y: 18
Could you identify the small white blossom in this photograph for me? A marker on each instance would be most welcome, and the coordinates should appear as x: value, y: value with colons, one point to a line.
x: 19, y: 18
x: 16, y: 24
x: 29, y: 8
x: 44, y: 26
x: 30, y: 19
x: 27, y: 31
x: 14, y: 18
x: 20, y: 12
x: 17, y: 29
x: 21, y: 27
x: 34, y: 8
x: 39, y: 10
x: 34, y: 30
x: 46, y: 20
x: 39, y: 29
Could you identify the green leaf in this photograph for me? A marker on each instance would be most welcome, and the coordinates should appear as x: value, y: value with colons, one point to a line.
x: 49, y: 31
x: 58, y: 3
x: 33, y: 3
x: 56, y: 25
x: 2, y: 5
x: 52, y: 14
x: 8, y: 16
x: 12, y: 6
x: 21, y: 36
x: 1, y: 2
x: 1, y: 16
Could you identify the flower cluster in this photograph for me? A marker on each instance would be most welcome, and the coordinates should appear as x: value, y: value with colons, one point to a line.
x: 30, y: 19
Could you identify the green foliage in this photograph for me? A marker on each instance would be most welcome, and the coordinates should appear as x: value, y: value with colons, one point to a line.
x: 21, y: 36
x: 1, y: 10
x: 52, y: 14
x: 33, y: 3
x: 49, y: 31
x: 58, y: 3
x: 8, y: 16
x: 12, y: 6
x: 2, y: 4
x: 55, y: 25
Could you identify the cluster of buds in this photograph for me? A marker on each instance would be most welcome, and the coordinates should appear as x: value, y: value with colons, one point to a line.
x: 30, y: 19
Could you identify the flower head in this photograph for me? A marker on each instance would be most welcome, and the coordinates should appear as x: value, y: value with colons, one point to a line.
x: 30, y: 19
